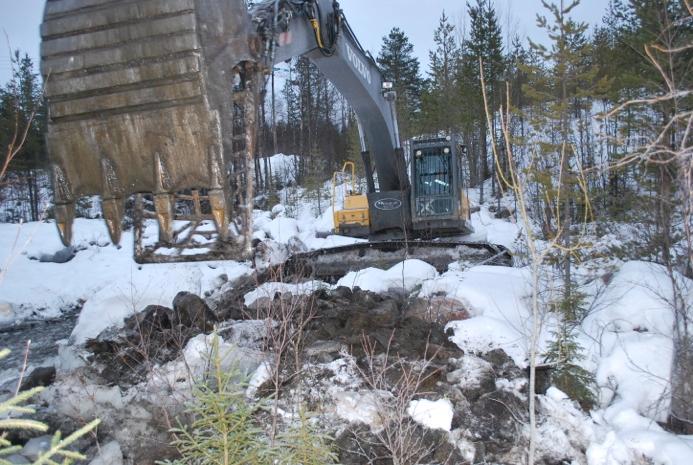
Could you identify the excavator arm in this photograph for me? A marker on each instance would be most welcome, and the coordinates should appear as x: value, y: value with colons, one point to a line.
x: 318, y: 30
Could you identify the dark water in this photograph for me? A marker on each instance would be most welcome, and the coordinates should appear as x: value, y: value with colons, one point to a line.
x: 43, y: 335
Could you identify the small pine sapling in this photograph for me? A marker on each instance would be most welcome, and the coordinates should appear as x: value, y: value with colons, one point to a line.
x: 565, y: 352
x: 223, y: 430
x: 58, y: 452
x: 303, y: 444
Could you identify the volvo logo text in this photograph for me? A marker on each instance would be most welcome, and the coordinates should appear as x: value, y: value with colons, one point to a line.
x: 358, y: 64
x: 388, y: 204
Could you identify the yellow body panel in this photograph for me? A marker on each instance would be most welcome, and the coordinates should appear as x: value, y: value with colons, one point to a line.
x: 354, y: 210
x: 356, y: 202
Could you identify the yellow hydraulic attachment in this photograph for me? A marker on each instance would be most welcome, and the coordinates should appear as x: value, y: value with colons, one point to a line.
x: 352, y: 219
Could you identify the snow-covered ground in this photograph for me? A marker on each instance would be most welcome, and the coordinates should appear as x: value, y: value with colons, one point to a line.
x: 627, y: 336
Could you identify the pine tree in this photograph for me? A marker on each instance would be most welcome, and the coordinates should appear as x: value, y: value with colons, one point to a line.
x: 440, y: 100
x: 401, y: 67
x: 484, y: 44
x: 561, y: 93
x: 22, y: 108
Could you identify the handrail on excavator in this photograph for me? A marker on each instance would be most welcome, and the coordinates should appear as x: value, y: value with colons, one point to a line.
x: 334, y: 181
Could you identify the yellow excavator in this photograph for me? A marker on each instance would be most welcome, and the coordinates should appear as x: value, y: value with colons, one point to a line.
x: 157, y: 101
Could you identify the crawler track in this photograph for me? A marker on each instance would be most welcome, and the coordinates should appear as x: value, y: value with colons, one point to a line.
x: 333, y: 263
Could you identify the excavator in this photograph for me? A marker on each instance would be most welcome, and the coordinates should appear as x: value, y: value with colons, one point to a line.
x: 157, y: 101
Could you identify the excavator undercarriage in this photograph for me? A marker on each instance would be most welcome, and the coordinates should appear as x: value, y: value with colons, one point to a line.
x: 157, y: 101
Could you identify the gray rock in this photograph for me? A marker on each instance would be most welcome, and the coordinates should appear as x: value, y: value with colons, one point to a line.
x: 61, y: 256
x: 110, y: 454
x: 17, y: 459
x: 36, y: 447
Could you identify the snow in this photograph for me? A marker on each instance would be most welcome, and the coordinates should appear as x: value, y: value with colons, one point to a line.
x: 627, y: 337
x: 284, y: 168
x: 496, y: 298
x: 281, y: 229
x: 105, y: 277
x: 360, y: 407
x: 405, y: 275
x: 488, y: 229
x: 432, y: 414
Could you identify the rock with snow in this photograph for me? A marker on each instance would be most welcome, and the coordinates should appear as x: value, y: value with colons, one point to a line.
x: 361, y: 407
x: 109, y: 454
x: 432, y: 414
x: 265, y: 293
x: 60, y: 256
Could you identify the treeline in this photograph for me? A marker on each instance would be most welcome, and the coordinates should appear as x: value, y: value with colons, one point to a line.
x: 24, y: 190
x: 560, y: 96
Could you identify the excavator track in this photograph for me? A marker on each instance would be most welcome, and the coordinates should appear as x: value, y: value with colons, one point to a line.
x: 333, y: 263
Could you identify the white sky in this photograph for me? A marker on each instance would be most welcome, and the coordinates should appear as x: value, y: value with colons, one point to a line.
x: 370, y: 19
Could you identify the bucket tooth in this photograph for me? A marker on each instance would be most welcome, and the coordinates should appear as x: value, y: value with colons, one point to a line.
x: 112, y: 187
x: 217, y: 170
x: 113, y: 212
x: 162, y: 179
x: 61, y: 186
x: 164, y: 205
x: 217, y: 201
x: 64, y: 217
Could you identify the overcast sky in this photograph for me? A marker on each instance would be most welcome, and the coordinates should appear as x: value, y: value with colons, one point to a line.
x: 370, y: 19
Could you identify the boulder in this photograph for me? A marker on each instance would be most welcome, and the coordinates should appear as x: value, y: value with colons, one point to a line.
x: 191, y: 311
x: 42, y: 376
x: 61, y: 256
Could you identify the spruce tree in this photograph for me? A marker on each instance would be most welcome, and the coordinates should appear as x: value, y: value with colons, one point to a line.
x: 401, y: 67
x: 440, y: 102
x: 561, y: 93
x: 485, y: 44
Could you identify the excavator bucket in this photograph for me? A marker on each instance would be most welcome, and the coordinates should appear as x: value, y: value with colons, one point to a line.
x: 153, y: 97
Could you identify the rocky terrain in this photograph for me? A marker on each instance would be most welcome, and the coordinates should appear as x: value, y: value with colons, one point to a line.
x: 370, y: 367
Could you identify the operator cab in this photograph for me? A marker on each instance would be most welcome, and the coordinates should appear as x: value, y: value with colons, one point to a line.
x: 439, y: 203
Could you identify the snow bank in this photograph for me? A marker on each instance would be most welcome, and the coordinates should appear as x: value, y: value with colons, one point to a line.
x: 636, y: 299
x: 630, y: 340
x: 490, y: 229
x: 105, y: 277
x: 404, y: 275
x: 281, y: 229
x: 496, y: 298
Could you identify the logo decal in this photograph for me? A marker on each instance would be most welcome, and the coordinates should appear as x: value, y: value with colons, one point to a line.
x: 388, y: 204
x: 358, y: 65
